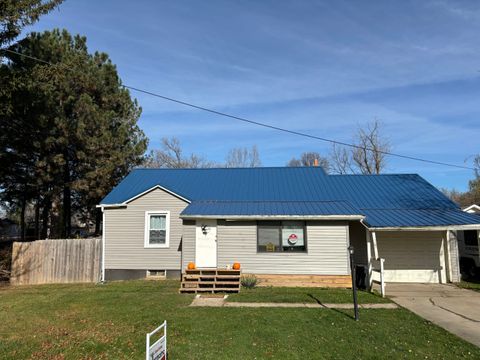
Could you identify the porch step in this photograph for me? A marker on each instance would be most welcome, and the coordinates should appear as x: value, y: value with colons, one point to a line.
x: 210, y: 280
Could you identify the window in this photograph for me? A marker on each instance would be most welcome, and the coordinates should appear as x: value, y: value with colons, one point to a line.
x: 281, y: 236
x: 470, y: 237
x: 157, y: 225
x: 156, y: 273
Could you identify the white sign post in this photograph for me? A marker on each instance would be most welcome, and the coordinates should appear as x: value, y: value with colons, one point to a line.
x: 158, y: 350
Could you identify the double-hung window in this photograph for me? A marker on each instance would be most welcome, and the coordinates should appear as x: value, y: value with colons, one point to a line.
x: 157, y: 229
x: 281, y: 236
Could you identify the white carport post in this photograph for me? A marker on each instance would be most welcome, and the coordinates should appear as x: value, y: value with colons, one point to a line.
x: 371, y: 238
x: 448, y: 257
x: 369, y: 258
x: 374, y: 242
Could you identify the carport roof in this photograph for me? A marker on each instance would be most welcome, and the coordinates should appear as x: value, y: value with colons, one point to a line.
x: 390, y: 200
x: 392, y: 218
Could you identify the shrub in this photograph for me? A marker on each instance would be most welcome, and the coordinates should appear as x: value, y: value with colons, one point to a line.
x: 248, y: 281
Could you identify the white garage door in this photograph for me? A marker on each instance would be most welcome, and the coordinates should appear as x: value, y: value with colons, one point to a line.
x: 412, y: 256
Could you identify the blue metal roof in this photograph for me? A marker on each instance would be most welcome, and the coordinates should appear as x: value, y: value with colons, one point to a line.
x: 282, y: 183
x: 386, y: 200
x: 419, y: 218
x: 270, y: 208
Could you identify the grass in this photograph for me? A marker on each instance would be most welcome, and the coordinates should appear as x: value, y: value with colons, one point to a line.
x: 110, y: 321
x: 470, y: 284
x: 303, y: 295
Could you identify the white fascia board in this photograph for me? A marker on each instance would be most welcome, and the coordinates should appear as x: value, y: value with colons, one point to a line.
x: 473, y: 207
x: 124, y: 204
x: 153, y: 188
x: 427, y: 228
x: 106, y: 206
x: 275, y: 217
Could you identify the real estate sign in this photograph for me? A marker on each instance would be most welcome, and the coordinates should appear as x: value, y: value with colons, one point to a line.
x: 158, y: 350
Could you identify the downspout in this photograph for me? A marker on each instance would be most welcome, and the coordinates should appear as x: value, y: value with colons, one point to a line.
x: 102, y: 279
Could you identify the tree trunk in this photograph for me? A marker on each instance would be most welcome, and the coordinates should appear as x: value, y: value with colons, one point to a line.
x: 47, y: 205
x: 67, y: 202
x: 22, y: 219
x: 37, y: 218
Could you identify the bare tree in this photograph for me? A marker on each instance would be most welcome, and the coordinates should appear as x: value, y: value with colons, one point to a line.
x: 340, y: 160
x: 308, y: 159
x: 368, y: 155
x: 171, y: 156
x: 243, y: 157
x: 472, y: 195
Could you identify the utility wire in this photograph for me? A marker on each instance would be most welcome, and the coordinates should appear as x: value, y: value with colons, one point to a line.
x: 264, y: 125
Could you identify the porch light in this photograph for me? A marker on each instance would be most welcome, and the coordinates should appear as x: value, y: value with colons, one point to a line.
x: 351, y: 249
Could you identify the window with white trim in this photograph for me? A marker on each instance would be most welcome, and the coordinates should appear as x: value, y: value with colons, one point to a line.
x: 281, y: 236
x: 157, y: 224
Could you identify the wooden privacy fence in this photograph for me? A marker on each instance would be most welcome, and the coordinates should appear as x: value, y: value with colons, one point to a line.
x: 56, y: 261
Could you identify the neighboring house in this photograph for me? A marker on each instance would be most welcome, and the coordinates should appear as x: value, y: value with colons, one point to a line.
x: 468, y: 246
x: 281, y: 221
x: 472, y: 209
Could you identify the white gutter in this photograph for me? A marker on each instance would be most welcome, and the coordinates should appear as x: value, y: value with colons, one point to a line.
x: 423, y: 228
x: 276, y: 217
x: 106, y: 206
x: 427, y: 228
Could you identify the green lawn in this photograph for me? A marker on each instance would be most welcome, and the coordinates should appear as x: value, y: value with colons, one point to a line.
x: 472, y: 285
x: 110, y: 322
x: 303, y: 295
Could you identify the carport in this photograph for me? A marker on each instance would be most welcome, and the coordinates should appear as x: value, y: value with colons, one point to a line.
x: 415, y: 254
x: 415, y: 245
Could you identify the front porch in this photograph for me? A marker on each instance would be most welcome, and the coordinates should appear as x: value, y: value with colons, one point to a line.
x: 210, y: 281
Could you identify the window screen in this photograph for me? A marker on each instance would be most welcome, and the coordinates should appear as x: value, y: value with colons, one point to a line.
x: 157, y: 230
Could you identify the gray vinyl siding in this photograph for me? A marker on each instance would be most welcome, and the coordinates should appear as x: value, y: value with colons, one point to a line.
x: 125, y: 234
x: 188, y: 243
x: 327, y: 244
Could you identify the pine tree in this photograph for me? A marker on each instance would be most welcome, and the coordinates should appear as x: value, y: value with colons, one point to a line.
x: 85, y: 125
x: 15, y: 14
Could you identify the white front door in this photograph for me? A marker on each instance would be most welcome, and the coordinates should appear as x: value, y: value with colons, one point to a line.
x: 206, y: 244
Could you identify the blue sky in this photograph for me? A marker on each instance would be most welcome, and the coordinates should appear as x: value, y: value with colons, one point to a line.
x: 324, y: 68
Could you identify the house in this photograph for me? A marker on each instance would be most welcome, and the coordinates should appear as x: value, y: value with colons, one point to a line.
x: 472, y: 209
x: 281, y: 223
x: 468, y: 247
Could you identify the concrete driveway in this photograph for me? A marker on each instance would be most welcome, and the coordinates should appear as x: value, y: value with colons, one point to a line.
x: 456, y: 310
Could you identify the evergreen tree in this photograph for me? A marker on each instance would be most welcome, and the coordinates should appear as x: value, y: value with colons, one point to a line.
x: 15, y: 14
x: 81, y: 134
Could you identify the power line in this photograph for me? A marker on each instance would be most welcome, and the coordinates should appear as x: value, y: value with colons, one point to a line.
x: 264, y: 125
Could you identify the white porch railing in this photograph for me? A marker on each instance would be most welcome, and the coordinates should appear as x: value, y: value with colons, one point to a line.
x: 378, y: 274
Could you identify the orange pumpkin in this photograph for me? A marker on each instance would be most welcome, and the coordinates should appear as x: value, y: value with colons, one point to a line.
x: 191, y: 266
x: 236, y: 266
